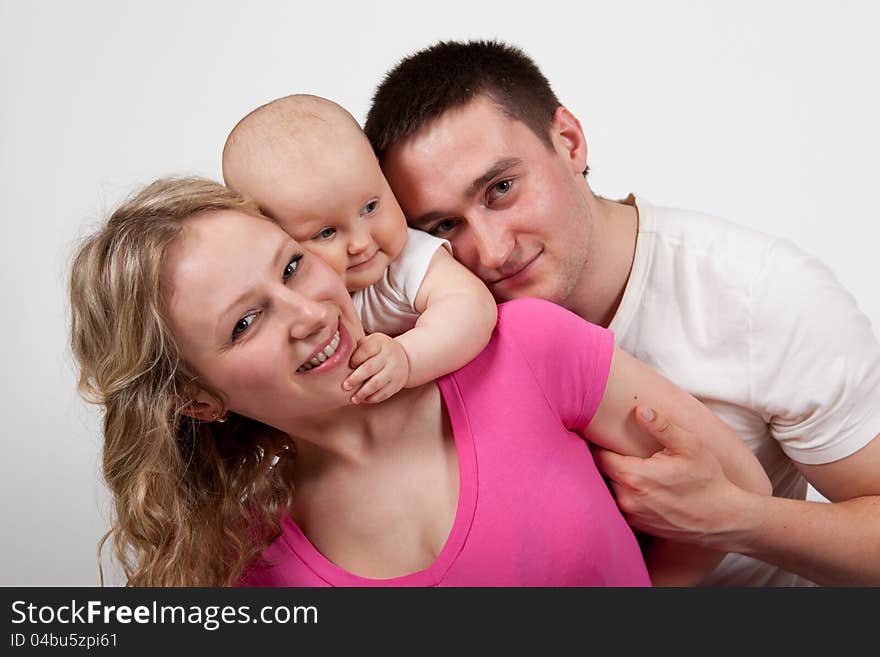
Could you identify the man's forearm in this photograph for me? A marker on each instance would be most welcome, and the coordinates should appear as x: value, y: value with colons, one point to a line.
x: 683, y: 495
x: 831, y: 544
x: 679, y: 564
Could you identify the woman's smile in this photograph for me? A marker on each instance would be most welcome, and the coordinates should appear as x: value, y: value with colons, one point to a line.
x: 330, y: 353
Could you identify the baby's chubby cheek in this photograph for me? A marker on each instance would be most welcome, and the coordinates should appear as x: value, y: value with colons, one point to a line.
x: 336, y: 258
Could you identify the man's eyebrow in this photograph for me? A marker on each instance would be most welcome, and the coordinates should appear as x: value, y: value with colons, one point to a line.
x: 427, y: 218
x: 496, y: 169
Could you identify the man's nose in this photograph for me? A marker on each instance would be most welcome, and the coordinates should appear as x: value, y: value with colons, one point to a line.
x: 492, y: 240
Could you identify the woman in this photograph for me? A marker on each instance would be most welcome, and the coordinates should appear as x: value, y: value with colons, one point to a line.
x: 233, y: 457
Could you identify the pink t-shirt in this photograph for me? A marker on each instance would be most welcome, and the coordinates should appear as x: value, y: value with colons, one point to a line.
x: 533, y: 510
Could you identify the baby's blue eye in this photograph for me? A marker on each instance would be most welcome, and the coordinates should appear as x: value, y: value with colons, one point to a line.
x: 325, y: 234
x: 369, y: 208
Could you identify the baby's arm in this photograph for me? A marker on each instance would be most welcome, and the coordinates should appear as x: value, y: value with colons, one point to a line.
x: 457, y: 316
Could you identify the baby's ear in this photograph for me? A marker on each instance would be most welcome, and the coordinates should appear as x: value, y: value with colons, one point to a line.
x: 201, y: 405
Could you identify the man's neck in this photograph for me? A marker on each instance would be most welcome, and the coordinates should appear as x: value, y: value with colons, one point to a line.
x: 612, y: 249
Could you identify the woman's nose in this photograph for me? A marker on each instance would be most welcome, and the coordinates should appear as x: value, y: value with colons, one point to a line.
x: 306, y: 316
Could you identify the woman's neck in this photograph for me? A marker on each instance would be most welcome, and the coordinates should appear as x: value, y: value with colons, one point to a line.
x: 356, y: 433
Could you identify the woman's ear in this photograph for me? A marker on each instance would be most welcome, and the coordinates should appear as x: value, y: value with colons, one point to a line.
x: 568, y: 139
x: 202, y: 405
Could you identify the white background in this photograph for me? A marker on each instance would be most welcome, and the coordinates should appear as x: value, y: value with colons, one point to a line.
x: 762, y: 112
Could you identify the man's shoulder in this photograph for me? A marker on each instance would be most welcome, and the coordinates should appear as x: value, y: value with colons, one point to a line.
x: 711, y: 251
x: 702, y: 232
x: 706, y: 275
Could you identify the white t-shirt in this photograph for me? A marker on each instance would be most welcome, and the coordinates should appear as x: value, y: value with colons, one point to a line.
x: 761, y: 333
x: 388, y: 305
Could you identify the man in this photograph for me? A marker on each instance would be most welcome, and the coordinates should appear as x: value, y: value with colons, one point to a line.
x: 479, y: 151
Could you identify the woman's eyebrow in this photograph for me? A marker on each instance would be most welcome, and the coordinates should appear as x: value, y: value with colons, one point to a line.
x: 275, y: 265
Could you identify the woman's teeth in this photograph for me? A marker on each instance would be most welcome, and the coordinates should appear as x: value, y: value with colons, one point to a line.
x: 321, y: 356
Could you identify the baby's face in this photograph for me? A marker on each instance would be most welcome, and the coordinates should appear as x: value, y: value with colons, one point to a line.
x: 340, y: 208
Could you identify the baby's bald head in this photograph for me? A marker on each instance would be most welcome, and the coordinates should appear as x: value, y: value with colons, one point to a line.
x: 309, y: 166
x: 282, y: 140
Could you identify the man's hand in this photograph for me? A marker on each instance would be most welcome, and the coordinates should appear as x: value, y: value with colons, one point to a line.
x: 680, y: 492
x: 381, y: 369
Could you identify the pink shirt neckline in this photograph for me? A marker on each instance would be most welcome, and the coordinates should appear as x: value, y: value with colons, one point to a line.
x: 298, y: 543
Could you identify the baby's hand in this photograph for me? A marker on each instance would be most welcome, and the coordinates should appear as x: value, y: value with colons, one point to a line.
x: 381, y: 365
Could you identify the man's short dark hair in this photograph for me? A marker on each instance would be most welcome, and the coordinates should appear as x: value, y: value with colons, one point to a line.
x: 450, y: 74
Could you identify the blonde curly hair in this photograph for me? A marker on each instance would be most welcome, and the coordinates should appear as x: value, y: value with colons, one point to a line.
x: 194, y: 503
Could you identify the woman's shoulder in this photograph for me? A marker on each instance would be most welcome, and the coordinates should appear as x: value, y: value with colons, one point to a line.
x: 529, y: 307
x: 541, y: 347
x: 531, y: 317
x: 281, y: 562
x: 537, y: 330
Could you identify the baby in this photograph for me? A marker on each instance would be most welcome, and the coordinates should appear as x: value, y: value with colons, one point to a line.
x: 309, y: 166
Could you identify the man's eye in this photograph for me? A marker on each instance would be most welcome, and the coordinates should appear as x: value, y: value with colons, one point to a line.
x: 242, y: 325
x: 443, y: 227
x: 291, y: 267
x: 369, y: 208
x: 325, y: 234
x: 501, y: 188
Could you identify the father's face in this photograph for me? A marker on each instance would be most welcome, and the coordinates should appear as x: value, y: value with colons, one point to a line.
x: 514, y: 210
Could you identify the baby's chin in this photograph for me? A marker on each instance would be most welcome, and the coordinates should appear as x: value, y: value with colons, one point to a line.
x: 356, y: 281
x: 356, y: 284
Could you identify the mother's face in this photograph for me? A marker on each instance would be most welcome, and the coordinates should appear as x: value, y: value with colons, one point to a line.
x: 253, y: 314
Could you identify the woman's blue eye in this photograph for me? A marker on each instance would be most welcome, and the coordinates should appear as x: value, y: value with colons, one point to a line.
x: 292, y: 266
x: 243, y: 325
x: 245, y: 322
x: 369, y: 208
x: 325, y: 234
